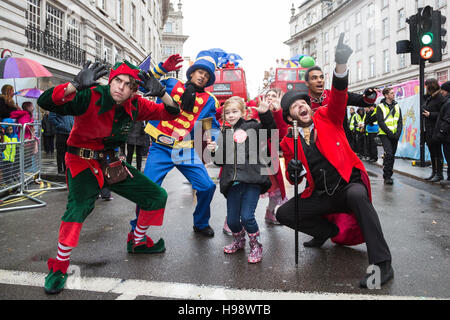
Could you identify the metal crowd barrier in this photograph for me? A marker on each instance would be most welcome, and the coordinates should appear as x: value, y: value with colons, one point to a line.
x: 20, y: 166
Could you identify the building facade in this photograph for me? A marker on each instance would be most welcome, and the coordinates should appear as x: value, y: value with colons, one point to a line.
x: 63, y: 35
x: 172, y: 36
x: 372, y: 29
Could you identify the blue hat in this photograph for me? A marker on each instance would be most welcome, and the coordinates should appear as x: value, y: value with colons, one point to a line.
x: 206, y: 60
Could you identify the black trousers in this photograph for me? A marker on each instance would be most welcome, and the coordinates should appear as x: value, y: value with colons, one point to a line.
x: 372, y: 151
x: 130, y: 152
x: 61, y: 149
x: 351, y: 198
x: 49, y: 143
x: 360, y: 141
x: 390, y: 148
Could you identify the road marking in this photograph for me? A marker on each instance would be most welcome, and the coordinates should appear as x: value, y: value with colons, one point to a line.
x: 22, y: 198
x: 130, y: 289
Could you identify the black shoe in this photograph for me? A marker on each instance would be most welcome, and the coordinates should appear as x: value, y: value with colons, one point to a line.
x: 437, y: 178
x: 373, y: 159
x: 315, y: 242
x: 386, y: 274
x: 431, y: 177
x: 388, y: 181
x: 207, y: 232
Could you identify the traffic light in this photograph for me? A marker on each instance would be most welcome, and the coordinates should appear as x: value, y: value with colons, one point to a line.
x: 414, y: 39
x: 438, y: 31
x: 425, y: 32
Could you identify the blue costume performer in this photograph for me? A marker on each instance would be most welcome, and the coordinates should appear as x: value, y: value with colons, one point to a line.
x: 173, y: 141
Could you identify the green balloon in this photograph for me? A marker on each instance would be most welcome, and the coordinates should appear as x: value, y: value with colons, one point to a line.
x: 307, y: 62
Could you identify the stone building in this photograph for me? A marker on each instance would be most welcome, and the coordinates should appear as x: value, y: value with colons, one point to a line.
x: 62, y: 35
x: 372, y: 28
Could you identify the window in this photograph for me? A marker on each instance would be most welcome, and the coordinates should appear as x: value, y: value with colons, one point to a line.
x: 442, y: 76
x: 401, y: 18
x: 108, y: 51
x: 325, y: 37
x: 119, y: 55
x: 168, y: 27
x: 33, y: 14
x: 286, y: 75
x: 370, y: 11
x: 143, y: 31
x: 402, y: 60
x: 385, y: 27
x: 386, y: 61
x: 358, y: 42
x: 359, y: 71
x: 73, y: 32
x: 120, y: 12
x: 325, y: 57
x: 102, y: 4
x: 149, y: 44
x: 347, y: 25
x: 371, y: 66
x: 168, y: 50
x: 133, y: 20
x: 371, y: 35
x: 385, y: 3
x: 234, y: 75
x: 358, y: 17
x: 98, y: 47
x: 54, y: 21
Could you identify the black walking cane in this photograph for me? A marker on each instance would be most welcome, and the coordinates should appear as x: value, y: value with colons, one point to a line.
x: 296, y: 173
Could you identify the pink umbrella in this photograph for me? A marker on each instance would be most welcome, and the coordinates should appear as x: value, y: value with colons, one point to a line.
x: 29, y: 93
x: 22, y: 68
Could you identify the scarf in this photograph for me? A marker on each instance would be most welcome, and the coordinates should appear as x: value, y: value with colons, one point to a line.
x: 188, y: 97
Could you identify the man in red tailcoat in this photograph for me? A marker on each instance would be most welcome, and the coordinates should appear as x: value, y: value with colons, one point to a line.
x: 336, y: 178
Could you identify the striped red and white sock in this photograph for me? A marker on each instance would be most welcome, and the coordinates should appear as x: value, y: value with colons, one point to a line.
x: 63, y: 252
x: 139, y: 233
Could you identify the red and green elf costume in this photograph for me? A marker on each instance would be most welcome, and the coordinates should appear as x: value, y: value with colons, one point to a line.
x: 102, y: 125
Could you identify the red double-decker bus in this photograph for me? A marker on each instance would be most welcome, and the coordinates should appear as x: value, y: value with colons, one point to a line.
x: 288, y: 79
x: 230, y: 81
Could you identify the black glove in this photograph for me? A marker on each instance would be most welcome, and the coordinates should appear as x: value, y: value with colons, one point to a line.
x: 343, y: 51
x: 151, y: 84
x: 89, y: 75
x: 293, y: 166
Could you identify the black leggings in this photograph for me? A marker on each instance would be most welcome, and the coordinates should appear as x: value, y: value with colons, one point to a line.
x: 352, y: 198
x: 130, y: 151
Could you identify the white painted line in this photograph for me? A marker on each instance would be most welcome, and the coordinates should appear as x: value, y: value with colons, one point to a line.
x: 130, y: 289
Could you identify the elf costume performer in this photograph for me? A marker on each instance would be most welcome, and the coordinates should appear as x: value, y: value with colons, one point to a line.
x: 173, y: 141
x: 103, y: 117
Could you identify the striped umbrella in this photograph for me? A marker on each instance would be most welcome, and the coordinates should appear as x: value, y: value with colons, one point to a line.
x: 22, y: 68
x: 29, y: 93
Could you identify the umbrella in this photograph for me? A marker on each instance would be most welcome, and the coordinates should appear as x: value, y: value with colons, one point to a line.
x: 290, y: 64
x: 29, y: 93
x: 297, y: 57
x: 22, y: 68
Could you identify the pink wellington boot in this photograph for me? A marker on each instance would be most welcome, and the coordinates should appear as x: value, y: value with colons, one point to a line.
x: 270, y: 217
x: 237, y: 244
x: 255, y: 255
x: 226, y: 229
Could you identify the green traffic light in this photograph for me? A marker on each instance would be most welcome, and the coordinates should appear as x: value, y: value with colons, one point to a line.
x: 427, y: 38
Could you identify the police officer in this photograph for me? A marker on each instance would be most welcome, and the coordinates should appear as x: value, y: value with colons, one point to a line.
x: 389, y: 117
x: 371, y: 126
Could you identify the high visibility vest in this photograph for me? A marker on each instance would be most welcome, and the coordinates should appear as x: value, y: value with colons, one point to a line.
x: 360, y: 120
x: 372, y: 128
x: 352, y: 120
x: 9, y: 154
x: 391, y: 121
